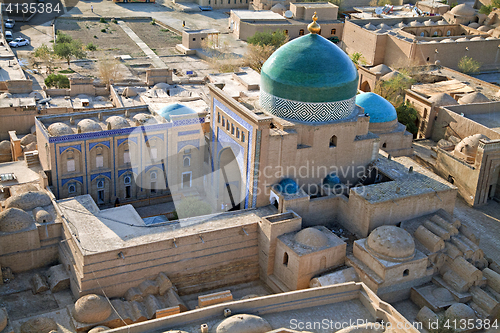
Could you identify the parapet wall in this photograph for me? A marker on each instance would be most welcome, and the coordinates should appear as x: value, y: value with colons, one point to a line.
x: 194, y: 263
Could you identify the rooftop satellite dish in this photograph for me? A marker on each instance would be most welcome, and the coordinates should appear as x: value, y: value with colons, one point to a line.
x: 379, y: 10
x: 288, y: 14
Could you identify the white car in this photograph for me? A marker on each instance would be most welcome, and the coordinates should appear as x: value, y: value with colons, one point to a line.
x: 9, y: 23
x: 19, y: 42
x: 8, y: 36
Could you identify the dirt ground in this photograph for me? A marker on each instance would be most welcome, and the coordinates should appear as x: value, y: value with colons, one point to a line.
x: 161, y: 41
x: 110, y: 43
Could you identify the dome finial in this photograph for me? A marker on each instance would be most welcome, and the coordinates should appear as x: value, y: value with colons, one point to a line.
x: 314, y: 27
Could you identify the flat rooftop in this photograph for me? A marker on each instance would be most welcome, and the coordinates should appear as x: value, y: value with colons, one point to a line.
x: 10, y: 69
x: 414, y: 183
x: 263, y: 15
x: 22, y: 173
x: 486, y: 114
x: 122, y: 227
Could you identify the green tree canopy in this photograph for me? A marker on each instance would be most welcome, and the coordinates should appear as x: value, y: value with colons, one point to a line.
x: 269, y: 38
x: 393, y: 90
x: 407, y: 115
x: 262, y: 45
x: 57, y: 80
x: 66, y: 48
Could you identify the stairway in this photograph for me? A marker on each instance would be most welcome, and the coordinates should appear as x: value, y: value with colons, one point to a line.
x: 31, y: 158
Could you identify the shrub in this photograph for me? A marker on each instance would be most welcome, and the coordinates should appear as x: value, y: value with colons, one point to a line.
x: 114, y: 21
x: 469, y: 65
x: 271, y: 38
x: 91, y: 46
x: 103, y: 30
x: 153, y: 22
x: 57, y: 80
x: 486, y: 9
x: 95, y: 36
x: 102, y: 20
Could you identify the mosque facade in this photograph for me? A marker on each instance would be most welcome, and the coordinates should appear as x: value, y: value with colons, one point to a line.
x: 127, y: 154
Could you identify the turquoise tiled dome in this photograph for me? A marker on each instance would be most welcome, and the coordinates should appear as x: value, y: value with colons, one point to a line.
x: 331, y: 180
x: 288, y: 186
x: 309, y: 79
x: 175, y: 110
x: 379, y: 109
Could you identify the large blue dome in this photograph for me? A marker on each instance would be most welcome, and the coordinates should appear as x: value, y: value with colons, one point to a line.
x: 175, y: 110
x: 309, y: 79
x: 379, y: 109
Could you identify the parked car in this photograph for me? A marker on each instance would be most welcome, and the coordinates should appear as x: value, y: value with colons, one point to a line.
x: 9, y: 23
x: 8, y: 36
x: 19, y: 42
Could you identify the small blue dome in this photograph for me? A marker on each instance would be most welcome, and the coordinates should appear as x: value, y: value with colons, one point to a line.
x: 175, y: 110
x: 379, y: 109
x: 288, y: 186
x: 332, y: 180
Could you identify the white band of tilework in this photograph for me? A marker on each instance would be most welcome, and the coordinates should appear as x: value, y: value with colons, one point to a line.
x: 305, y: 111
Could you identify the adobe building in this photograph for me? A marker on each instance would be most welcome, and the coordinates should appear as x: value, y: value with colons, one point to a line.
x: 123, y: 153
x: 444, y: 87
x: 245, y: 23
x: 469, y: 156
x: 418, y: 41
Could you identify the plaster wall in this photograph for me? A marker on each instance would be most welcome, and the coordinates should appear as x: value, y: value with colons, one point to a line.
x: 227, y: 256
x: 465, y: 176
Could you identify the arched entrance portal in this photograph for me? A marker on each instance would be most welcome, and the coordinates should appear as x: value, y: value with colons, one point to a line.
x: 365, y: 86
x: 230, y: 181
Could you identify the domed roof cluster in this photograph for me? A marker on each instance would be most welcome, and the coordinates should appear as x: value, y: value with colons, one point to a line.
x: 475, y: 97
x: 469, y: 145
x: 442, y: 99
x: 91, y: 309
x: 391, y: 243
x: 39, y: 325
x: 382, y: 69
x: 309, y: 79
x: 288, y: 186
x: 88, y: 125
x: 15, y: 219
x: 311, y: 237
x: 460, y: 311
x: 415, y: 24
x: 28, y: 200
x: 117, y: 122
x: 144, y: 118
x: 244, y: 323
x: 58, y: 129
x: 175, y: 110
x: 42, y: 216
x: 463, y: 10
x: 379, y: 109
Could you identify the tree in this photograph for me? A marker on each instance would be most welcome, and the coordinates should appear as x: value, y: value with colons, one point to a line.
x: 66, y: 48
x: 45, y: 54
x: 393, y: 90
x: 190, y: 207
x: 262, y: 45
x: 357, y: 58
x: 109, y: 70
x: 468, y: 65
x: 407, y: 115
x: 57, y: 80
x: 486, y: 10
x: 270, y: 38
